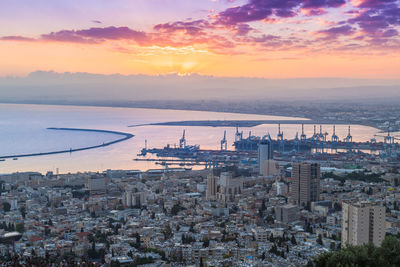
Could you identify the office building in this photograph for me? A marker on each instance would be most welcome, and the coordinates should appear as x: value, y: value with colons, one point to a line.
x: 212, y: 186
x: 305, y: 183
x: 287, y: 213
x: 265, y: 153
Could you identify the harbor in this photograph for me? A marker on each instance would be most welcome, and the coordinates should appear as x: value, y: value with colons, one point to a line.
x: 320, y: 146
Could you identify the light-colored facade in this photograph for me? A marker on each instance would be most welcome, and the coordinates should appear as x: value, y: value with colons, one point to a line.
x: 362, y: 223
x: 305, y: 183
x: 212, y: 186
x: 271, y: 168
x: 229, y: 187
x: 287, y: 213
x: 97, y: 185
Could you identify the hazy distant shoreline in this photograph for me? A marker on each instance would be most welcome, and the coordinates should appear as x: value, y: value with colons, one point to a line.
x: 191, y: 106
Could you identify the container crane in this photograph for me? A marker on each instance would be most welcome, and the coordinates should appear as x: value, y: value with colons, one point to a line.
x: 280, y: 134
x: 238, y: 136
x: 280, y: 139
x: 182, y: 141
x: 303, y: 137
x: 224, y: 143
x: 349, y: 139
x: 334, y: 138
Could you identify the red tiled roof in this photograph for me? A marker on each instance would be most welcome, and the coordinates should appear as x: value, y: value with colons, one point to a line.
x: 82, y: 234
x: 35, y: 238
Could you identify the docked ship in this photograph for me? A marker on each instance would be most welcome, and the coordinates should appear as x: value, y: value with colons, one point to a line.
x: 181, y: 151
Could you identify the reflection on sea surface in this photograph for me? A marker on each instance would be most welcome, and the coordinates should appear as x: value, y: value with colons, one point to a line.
x: 23, y: 130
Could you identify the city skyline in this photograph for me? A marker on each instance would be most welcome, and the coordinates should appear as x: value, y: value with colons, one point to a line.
x: 249, y: 38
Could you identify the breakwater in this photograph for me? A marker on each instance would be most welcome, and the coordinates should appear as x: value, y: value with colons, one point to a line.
x: 124, y: 137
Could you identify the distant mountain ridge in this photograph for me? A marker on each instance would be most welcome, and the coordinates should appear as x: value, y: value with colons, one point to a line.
x: 51, y: 87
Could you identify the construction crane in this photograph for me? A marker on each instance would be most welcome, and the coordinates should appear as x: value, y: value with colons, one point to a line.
x: 224, y: 143
x: 182, y: 141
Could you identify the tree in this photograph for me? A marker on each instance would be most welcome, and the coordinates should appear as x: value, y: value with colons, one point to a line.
x: 23, y: 211
x: 365, y: 255
x: 176, y: 208
x: 167, y: 232
x: 46, y: 231
x: 274, y: 250
x: 271, y: 238
x: 6, y: 206
x: 319, y: 239
x: 19, y: 227
x: 270, y: 219
x: 263, y: 256
x: 206, y: 242
x: 293, y: 240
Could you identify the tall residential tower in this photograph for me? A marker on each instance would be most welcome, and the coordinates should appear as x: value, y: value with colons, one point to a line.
x: 305, y: 183
x: 362, y: 223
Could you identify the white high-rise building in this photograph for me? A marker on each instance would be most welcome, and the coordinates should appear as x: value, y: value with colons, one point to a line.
x: 133, y: 198
x: 264, y: 155
x: 362, y: 223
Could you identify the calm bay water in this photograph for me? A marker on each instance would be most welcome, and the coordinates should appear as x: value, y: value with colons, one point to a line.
x: 23, y: 130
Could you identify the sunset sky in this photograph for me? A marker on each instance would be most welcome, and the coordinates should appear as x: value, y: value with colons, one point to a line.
x: 240, y: 38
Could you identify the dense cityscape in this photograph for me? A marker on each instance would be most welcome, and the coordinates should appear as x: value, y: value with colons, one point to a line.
x: 260, y: 212
x: 207, y: 133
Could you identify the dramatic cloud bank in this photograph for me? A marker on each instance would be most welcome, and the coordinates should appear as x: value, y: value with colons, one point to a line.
x: 360, y: 22
x: 261, y: 38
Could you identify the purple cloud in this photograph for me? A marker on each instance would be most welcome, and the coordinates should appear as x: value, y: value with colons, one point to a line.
x: 322, y: 3
x: 16, y: 38
x: 256, y: 10
x: 378, y: 18
x: 243, y: 29
x: 95, y: 35
x: 375, y: 3
x: 69, y: 36
x: 334, y: 32
x: 112, y: 33
x: 188, y: 27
